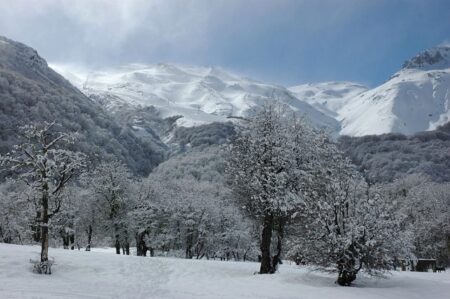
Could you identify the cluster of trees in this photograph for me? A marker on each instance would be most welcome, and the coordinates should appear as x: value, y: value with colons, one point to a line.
x: 299, y: 186
x: 424, y: 208
x: 385, y: 158
x: 182, y: 208
x: 280, y: 189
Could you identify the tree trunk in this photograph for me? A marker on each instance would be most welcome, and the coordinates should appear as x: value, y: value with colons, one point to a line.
x: 117, y: 245
x: 127, y: 247
x: 280, y: 234
x: 72, y: 240
x: 189, y: 241
x: 346, y: 277
x: 36, y: 227
x: 89, y: 231
x: 44, y: 222
x: 141, y: 247
x: 65, y: 240
x: 266, y: 265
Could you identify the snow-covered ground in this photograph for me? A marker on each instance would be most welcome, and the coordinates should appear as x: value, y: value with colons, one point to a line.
x: 79, y: 274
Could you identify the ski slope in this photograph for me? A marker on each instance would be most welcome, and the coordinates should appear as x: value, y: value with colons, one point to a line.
x: 79, y: 274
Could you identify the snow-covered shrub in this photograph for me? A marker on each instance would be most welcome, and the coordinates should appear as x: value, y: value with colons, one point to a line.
x: 42, y: 267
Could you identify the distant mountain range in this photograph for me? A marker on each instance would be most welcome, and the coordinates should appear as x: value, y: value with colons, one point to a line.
x: 144, y: 114
x: 416, y: 98
x: 201, y: 95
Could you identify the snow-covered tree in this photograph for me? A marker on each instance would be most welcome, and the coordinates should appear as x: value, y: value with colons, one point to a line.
x: 17, y: 212
x: 46, y: 165
x: 266, y: 168
x: 425, y: 209
x: 345, y: 224
x: 110, y: 184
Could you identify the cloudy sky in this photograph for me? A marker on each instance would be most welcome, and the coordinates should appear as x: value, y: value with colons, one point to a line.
x: 283, y: 41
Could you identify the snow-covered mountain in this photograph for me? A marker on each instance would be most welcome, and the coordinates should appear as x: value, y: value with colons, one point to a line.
x: 200, y: 94
x: 328, y: 97
x: 417, y: 98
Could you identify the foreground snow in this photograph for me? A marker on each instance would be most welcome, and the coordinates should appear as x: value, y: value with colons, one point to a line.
x: 79, y: 274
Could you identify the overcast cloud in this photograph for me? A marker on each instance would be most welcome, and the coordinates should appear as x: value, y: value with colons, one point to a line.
x: 281, y: 40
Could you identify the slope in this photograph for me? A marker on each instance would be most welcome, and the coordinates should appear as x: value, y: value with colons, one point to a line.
x: 417, y: 98
x: 30, y: 91
x: 387, y: 157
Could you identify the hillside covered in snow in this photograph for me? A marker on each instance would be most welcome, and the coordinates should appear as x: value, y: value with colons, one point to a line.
x: 415, y: 99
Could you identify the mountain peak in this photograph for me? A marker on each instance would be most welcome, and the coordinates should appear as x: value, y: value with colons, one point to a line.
x: 434, y: 58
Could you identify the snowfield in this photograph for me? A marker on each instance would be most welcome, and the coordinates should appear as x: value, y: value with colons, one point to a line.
x: 80, y: 274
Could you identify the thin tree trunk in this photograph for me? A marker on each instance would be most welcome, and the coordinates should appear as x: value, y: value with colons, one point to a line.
x: 117, y: 238
x: 44, y: 222
x: 189, y: 241
x: 127, y: 248
x: 266, y: 265
x: 72, y: 241
x: 36, y: 227
x: 117, y: 245
x: 65, y: 241
x: 89, y: 231
x: 140, y: 244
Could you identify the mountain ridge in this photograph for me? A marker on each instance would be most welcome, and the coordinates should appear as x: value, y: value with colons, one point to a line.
x: 414, y: 99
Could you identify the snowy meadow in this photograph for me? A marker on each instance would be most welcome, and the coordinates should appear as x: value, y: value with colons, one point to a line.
x: 80, y: 274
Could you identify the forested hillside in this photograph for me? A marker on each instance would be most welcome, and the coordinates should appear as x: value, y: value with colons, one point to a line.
x: 391, y: 156
x: 32, y: 92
